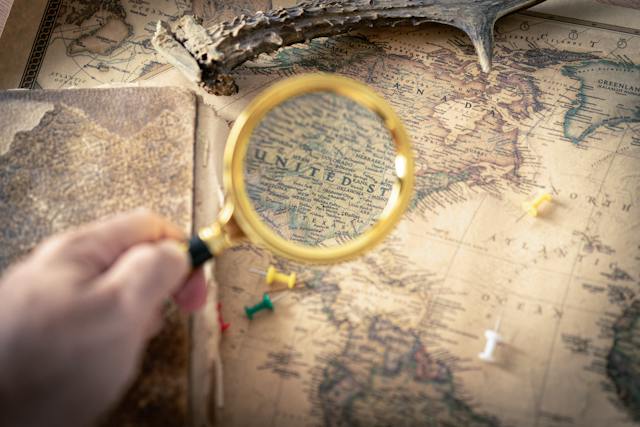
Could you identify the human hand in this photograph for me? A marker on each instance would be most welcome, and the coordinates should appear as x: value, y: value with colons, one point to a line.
x: 76, y: 314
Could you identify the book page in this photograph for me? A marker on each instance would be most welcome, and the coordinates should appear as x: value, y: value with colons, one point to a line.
x: 206, y: 375
x: 69, y: 157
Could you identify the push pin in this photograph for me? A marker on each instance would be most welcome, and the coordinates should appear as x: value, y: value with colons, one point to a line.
x: 223, y: 326
x: 272, y: 275
x: 267, y: 302
x: 264, y: 304
x: 493, y: 338
x: 532, y: 208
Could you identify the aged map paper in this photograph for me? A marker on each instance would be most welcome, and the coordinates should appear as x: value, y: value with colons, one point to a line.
x: 69, y: 157
x: 393, y: 338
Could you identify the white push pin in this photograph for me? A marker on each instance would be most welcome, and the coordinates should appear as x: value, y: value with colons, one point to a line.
x: 493, y: 338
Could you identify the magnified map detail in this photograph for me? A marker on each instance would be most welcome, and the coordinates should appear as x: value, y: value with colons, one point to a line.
x: 319, y: 169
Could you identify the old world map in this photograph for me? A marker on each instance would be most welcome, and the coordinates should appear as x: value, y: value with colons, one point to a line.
x: 393, y: 337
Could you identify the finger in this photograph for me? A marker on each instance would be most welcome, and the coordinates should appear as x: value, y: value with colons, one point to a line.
x: 97, y: 245
x: 145, y: 276
x: 193, y: 295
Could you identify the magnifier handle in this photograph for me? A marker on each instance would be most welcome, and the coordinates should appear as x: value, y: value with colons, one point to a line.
x: 198, y: 252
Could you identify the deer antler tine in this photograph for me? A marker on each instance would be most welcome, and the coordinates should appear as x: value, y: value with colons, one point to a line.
x: 207, y: 55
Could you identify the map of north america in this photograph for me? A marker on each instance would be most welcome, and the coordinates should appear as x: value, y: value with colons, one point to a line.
x: 393, y: 338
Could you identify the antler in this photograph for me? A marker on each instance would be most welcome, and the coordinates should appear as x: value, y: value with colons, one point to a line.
x: 207, y: 55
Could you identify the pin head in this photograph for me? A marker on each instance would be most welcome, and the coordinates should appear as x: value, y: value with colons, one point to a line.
x: 223, y: 325
x: 532, y: 207
x: 266, y: 300
x: 271, y: 275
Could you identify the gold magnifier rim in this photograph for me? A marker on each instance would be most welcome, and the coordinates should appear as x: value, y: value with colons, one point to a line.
x: 248, y: 219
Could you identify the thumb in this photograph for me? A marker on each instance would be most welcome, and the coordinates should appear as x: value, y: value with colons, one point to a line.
x: 147, y: 274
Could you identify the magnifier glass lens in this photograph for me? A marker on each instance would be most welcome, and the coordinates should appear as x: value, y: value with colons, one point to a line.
x: 319, y: 169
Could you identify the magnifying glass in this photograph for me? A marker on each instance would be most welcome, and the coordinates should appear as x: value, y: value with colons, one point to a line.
x: 317, y: 169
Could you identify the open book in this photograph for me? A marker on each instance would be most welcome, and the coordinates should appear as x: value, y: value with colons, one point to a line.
x: 72, y: 156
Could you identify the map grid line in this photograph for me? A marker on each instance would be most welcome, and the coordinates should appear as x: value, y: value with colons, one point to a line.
x: 566, y: 292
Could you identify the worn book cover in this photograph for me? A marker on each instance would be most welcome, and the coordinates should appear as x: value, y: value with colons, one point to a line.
x: 72, y: 156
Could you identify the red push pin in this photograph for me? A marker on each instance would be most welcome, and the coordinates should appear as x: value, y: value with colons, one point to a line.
x: 223, y: 326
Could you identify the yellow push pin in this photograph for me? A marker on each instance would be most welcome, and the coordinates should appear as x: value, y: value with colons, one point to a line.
x: 532, y: 208
x: 272, y: 275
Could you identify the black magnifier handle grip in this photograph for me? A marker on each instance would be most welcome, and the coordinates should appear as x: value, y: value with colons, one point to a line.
x: 198, y: 252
